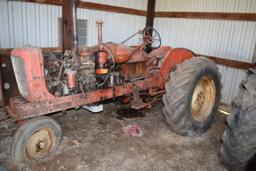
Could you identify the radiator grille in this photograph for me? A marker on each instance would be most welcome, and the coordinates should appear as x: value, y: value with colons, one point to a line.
x: 20, y: 75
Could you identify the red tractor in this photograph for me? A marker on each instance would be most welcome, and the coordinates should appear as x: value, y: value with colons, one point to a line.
x: 189, y: 87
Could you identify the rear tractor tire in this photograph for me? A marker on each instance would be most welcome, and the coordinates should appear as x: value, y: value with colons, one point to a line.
x: 238, y: 150
x: 192, y: 96
x: 36, y: 139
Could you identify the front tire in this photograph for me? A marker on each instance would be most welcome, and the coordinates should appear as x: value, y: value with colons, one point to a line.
x: 192, y: 96
x: 36, y: 139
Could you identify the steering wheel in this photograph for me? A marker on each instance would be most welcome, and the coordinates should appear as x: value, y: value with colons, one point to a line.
x: 151, y: 37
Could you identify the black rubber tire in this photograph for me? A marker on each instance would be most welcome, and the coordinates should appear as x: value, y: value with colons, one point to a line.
x: 238, y: 150
x: 19, y: 154
x: 178, y: 96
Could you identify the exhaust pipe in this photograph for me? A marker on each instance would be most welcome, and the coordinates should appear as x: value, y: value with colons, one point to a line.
x: 99, y: 26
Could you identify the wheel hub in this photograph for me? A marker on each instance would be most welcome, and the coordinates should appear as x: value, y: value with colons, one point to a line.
x: 203, y: 99
x: 41, y: 143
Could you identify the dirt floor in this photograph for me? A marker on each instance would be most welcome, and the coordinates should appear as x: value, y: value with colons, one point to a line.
x: 97, y: 142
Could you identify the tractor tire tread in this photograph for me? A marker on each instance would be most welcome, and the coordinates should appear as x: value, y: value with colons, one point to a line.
x: 239, y: 139
x: 175, y: 107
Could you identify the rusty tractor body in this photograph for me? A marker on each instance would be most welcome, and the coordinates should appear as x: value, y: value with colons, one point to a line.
x: 141, y: 75
x: 57, y: 83
x: 134, y: 75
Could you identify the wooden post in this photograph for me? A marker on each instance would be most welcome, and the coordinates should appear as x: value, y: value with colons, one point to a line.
x: 150, y: 21
x: 150, y: 13
x: 254, y: 55
x: 69, y: 31
x: 1, y: 91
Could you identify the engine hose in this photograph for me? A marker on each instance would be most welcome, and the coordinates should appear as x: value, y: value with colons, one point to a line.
x: 101, y: 84
x: 60, y: 72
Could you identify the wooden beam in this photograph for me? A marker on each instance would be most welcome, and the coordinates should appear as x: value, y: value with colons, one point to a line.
x: 217, y: 60
x: 164, y: 14
x: 47, y: 2
x: 150, y: 21
x: 110, y: 8
x: 230, y: 63
x: 69, y: 32
x: 93, y: 6
x: 7, y: 76
x: 209, y: 15
x: 150, y: 13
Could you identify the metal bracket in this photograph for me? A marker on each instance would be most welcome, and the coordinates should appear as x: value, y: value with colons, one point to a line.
x: 137, y: 102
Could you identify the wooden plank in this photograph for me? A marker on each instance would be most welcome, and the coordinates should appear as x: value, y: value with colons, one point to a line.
x: 8, y: 77
x: 150, y: 13
x: 230, y: 63
x: 110, y: 8
x: 5, y: 51
x: 208, y: 15
x: 69, y: 35
x: 217, y: 60
x: 165, y: 14
x: 48, y: 2
x: 93, y: 6
x: 1, y: 91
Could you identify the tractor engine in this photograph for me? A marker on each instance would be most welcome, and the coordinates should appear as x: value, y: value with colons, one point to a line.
x: 64, y: 77
x: 46, y: 76
x: 101, y: 66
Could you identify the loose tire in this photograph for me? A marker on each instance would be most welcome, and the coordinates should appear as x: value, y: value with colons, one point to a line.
x: 192, y: 96
x: 238, y: 150
x: 36, y: 139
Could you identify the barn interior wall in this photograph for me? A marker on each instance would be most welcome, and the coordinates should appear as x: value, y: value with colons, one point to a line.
x: 238, y: 6
x: 37, y: 25
x: 229, y: 39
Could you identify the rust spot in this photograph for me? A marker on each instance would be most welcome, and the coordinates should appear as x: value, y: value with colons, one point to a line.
x: 62, y: 105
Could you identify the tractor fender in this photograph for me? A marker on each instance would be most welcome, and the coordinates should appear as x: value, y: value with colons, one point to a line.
x: 172, y: 58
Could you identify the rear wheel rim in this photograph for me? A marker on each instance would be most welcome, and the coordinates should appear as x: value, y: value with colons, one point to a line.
x: 41, y: 143
x: 203, y: 99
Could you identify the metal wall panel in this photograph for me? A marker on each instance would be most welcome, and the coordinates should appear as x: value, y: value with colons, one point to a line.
x: 116, y: 28
x: 229, y: 39
x: 37, y: 24
x: 28, y: 23
x: 206, y: 5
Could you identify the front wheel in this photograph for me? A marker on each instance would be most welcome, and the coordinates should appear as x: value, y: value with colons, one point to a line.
x: 36, y: 139
x: 192, y: 96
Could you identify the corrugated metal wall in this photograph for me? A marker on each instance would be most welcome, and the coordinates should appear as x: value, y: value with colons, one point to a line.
x: 207, y: 5
x: 36, y: 24
x: 116, y: 28
x: 229, y: 39
x: 28, y: 23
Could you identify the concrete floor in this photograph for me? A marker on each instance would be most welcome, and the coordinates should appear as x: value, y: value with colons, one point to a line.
x: 97, y: 142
